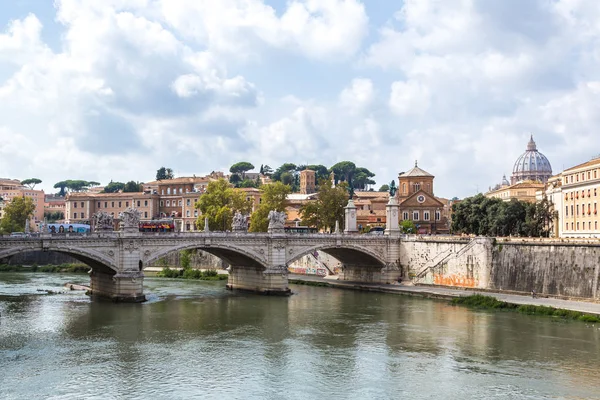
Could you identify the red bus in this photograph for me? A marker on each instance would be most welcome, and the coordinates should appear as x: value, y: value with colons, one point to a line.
x: 157, y: 225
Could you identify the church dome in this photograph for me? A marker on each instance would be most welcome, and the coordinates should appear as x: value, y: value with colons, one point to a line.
x: 531, y: 166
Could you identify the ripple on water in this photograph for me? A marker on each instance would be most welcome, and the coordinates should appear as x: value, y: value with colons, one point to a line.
x: 194, y: 339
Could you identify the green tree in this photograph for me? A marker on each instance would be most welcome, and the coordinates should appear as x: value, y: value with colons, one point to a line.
x: 19, y: 210
x: 31, y: 182
x: 267, y: 171
x: 321, y: 171
x: 384, y: 188
x: 235, y: 180
x: 114, y: 187
x: 273, y: 198
x: 328, y: 208
x: 479, y: 215
x: 164, y: 173
x: 361, y: 178
x: 132, y: 187
x: 343, y: 171
x: 62, y: 185
x: 248, y: 183
x: 241, y: 168
x: 53, y: 216
x: 219, y: 203
x: 287, y: 167
x: 287, y: 178
x: 408, y: 226
x: 77, y: 185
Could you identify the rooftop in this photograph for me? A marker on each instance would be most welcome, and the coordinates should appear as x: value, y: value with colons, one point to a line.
x: 416, y: 171
x: 592, y: 162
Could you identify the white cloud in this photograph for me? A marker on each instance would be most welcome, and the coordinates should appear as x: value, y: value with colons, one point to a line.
x: 358, y: 96
x: 457, y: 84
x: 316, y: 28
x: 409, y: 98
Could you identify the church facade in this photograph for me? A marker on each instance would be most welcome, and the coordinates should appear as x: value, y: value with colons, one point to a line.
x: 418, y: 203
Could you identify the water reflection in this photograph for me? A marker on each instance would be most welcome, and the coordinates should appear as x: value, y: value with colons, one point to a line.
x: 195, y: 339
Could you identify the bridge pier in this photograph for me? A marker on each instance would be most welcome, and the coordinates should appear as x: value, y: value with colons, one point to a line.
x: 259, y: 280
x: 125, y: 287
x: 369, y: 274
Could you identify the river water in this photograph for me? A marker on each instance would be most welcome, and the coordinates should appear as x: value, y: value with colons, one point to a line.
x: 198, y: 340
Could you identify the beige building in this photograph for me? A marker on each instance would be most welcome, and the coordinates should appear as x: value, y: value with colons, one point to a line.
x: 523, y: 191
x: 54, y: 204
x: 575, y: 199
x: 11, y: 188
x: 79, y: 207
x: 308, y: 182
x: 370, y: 208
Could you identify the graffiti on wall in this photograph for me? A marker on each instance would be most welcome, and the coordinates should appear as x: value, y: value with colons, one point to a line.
x: 455, y: 280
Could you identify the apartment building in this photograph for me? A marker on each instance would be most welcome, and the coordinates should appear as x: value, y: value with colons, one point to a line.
x: 11, y: 188
x: 577, y: 209
x: 79, y: 207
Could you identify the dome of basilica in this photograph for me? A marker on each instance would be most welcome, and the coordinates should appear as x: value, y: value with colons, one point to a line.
x: 531, y: 165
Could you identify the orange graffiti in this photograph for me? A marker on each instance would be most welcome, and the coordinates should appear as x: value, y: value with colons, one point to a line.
x: 454, y: 280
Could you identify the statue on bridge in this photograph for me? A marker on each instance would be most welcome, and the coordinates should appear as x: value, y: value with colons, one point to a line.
x: 240, y: 222
x: 277, y: 220
x: 393, y: 188
x: 103, y: 221
x: 131, y: 219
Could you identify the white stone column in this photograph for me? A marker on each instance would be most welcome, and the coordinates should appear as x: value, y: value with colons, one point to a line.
x: 350, y: 218
x: 391, y: 218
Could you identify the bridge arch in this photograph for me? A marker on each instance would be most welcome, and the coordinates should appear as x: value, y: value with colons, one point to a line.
x: 95, y: 260
x: 231, y: 254
x: 348, y: 254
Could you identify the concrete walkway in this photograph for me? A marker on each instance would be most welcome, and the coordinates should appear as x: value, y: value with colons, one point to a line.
x: 447, y: 293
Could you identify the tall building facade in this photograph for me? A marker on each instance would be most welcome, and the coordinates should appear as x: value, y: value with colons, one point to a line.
x: 575, y: 194
x: 308, y: 183
x: 11, y: 188
x: 418, y: 203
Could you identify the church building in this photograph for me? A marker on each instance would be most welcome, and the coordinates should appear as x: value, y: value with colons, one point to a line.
x: 418, y: 202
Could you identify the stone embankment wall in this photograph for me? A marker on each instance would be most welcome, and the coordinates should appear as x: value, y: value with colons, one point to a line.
x: 448, y: 261
x: 558, y: 268
x: 549, y: 266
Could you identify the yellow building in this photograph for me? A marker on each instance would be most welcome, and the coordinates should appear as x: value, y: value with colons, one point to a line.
x: 79, y: 207
x: 11, y: 188
x: 579, y: 190
x: 308, y: 182
x: 523, y: 191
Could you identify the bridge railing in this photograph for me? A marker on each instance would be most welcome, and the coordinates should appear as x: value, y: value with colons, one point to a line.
x: 214, y: 234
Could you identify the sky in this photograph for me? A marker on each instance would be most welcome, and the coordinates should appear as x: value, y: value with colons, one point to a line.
x: 115, y: 89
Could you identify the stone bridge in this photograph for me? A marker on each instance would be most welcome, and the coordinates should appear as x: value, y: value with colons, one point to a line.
x: 258, y: 260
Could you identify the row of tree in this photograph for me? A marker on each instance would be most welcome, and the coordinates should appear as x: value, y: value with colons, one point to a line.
x: 484, y: 216
x: 289, y: 174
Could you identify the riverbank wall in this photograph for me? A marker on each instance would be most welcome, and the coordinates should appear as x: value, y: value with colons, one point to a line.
x: 556, y: 267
